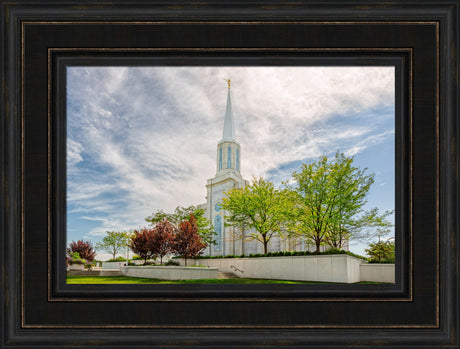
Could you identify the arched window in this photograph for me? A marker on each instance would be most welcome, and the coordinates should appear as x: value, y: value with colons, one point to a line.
x: 220, y: 158
x: 237, y: 159
x: 218, y: 230
x: 229, y: 157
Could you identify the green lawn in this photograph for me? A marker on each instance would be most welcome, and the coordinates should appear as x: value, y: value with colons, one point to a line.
x: 132, y: 280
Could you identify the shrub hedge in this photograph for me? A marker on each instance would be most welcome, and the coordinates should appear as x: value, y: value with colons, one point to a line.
x: 284, y: 254
x: 172, y: 262
x: 118, y: 259
x: 383, y: 261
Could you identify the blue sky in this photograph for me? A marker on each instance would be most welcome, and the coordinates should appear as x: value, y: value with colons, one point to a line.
x: 144, y: 138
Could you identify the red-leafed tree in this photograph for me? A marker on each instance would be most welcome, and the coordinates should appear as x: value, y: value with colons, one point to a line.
x: 162, y: 237
x: 187, y: 243
x: 140, y: 243
x: 84, y: 248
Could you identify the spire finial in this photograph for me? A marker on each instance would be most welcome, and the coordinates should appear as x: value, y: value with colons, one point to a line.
x: 229, y: 128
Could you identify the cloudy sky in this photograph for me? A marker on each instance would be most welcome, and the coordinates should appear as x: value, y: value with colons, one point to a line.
x: 144, y: 138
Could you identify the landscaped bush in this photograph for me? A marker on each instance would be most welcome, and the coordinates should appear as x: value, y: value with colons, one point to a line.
x: 118, y: 259
x: 137, y: 258
x: 285, y: 253
x: 132, y: 264
x: 388, y: 261
x: 356, y: 255
x: 334, y: 251
x: 89, y: 265
x: 149, y: 263
x: 78, y: 261
x: 84, y: 249
x: 172, y: 262
x: 74, y: 258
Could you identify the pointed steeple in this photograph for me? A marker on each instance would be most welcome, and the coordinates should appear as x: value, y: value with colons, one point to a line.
x: 229, y: 127
x: 228, y: 149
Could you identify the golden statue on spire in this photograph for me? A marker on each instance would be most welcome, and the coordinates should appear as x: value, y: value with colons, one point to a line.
x: 228, y: 82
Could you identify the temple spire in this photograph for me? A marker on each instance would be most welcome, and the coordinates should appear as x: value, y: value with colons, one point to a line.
x: 229, y: 128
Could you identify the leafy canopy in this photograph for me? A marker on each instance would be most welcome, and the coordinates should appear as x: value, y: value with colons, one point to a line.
x: 205, y: 227
x: 187, y: 243
x: 140, y: 243
x: 382, y: 251
x: 161, y: 240
x: 328, y: 199
x: 84, y: 249
x: 258, y: 206
x: 114, y: 242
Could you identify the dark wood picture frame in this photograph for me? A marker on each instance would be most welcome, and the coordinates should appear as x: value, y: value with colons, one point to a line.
x: 40, y: 39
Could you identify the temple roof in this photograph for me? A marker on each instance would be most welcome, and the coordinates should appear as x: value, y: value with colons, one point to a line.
x: 229, y: 127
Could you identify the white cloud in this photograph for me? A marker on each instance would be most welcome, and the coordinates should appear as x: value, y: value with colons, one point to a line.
x: 368, y: 141
x: 74, y: 150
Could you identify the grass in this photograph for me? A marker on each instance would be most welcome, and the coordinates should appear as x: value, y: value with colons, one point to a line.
x: 74, y: 279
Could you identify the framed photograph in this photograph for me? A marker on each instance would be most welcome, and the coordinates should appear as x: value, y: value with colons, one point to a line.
x: 158, y: 123
x: 172, y: 139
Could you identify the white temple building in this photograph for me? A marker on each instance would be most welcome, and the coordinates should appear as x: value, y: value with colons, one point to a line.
x: 231, y: 240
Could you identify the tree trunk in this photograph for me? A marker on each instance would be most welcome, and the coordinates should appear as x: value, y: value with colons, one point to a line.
x: 185, y: 261
x: 318, y: 244
x: 265, y: 246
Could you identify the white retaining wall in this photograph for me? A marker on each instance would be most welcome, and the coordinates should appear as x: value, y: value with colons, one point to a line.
x: 100, y: 272
x: 377, y: 272
x: 329, y: 268
x: 75, y: 267
x: 113, y: 265
x: 170, y: 272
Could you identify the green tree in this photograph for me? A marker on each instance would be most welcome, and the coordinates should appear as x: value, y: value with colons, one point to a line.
x: 205, y: 227
x: 328, y: 199
x: 114, y: 242
x: 382, y: 251
x: 371, y: 224
x: 259, y: 206
x: 362, y: 228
